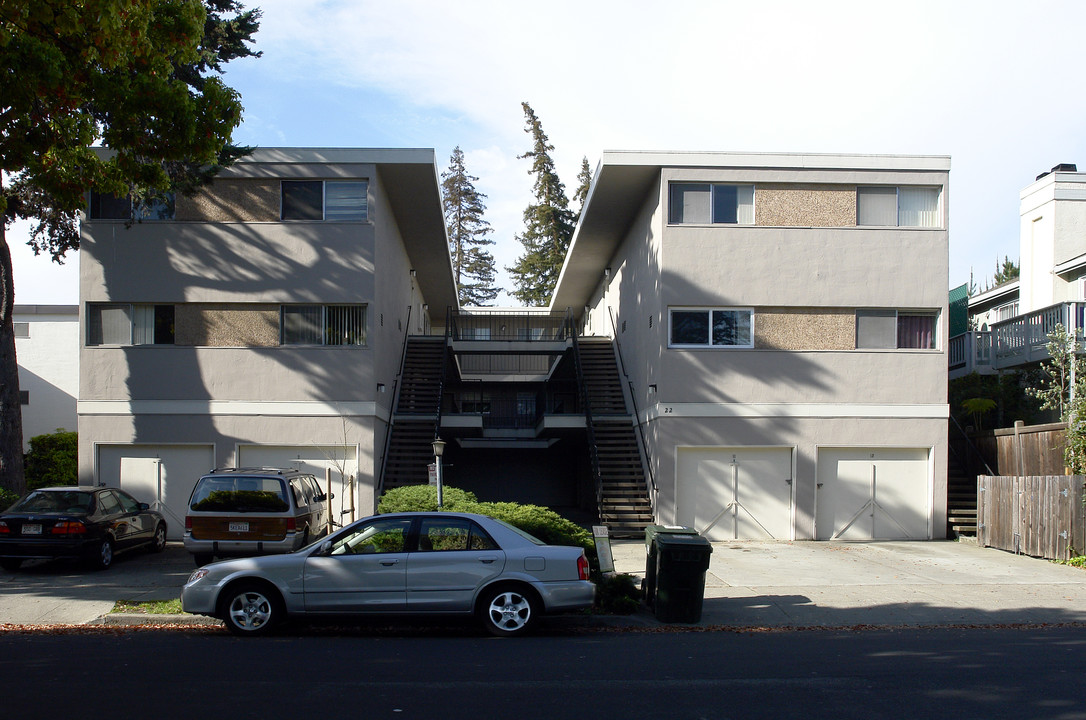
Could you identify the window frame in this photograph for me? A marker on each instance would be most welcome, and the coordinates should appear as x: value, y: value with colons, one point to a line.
x: 364, y: 211
x: 156, y: 328
x: 898, y: 314
x: 875, y: 190
x: 709, y: 344
x: 675, y: 219
x: 324, y: 327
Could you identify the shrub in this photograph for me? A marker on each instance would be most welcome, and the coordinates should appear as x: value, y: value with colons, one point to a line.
x: 52, y: 460
x: 7, y: 498
x: 423, y: 498
x: 619, y: 594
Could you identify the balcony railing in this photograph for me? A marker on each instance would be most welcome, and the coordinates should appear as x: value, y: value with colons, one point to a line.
x: 519, y: 325
x: 1018, y: 341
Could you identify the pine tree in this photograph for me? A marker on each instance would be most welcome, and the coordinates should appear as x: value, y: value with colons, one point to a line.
x: 1006, y: 272
x: 584, y: 182
x: 472, y: 264
x: 548, y: 223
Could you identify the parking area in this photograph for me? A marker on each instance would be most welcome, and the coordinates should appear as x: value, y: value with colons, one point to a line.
x: 748, y: 584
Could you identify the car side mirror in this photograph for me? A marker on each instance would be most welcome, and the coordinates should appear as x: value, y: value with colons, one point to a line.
x: 331, y: 496
x: 144, y: 506
x: 325, y: 548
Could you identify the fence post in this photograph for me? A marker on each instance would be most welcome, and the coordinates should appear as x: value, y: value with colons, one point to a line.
x: 1018, y: 464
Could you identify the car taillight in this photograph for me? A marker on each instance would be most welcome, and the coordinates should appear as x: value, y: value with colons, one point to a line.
x: 4, y: 529
x: 292, y: 525
x: 582, y: 567
x: 69, y: 527
x: 188, y: 522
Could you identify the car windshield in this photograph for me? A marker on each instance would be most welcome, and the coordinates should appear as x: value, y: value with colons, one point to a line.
x: 56, y: 502
x: 240, y: 495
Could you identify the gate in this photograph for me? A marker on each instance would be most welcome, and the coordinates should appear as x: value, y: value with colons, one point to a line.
x: 1040, y: 516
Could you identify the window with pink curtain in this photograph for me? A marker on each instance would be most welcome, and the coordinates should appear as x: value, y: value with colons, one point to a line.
x: 916, y: 331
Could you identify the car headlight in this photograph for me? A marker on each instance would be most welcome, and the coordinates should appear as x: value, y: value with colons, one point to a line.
x: 198, y: 574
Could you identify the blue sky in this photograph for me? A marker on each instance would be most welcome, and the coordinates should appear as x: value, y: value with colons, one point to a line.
x: 995, y: 84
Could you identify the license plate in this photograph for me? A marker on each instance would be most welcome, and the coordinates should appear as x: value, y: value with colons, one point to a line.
x: 239, y: 527
x: 31, y: 529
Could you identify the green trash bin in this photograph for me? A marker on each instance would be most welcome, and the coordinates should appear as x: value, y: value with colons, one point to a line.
x: 651, y: 533
x: 681, y: 562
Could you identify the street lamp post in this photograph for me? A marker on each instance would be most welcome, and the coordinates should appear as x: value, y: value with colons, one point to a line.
x: 439, y: 449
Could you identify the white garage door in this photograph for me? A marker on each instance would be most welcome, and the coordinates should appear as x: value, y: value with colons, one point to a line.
x: 316, y: 460
x: 873, y: 494
x: 160, y: 475
x: 735, y: 493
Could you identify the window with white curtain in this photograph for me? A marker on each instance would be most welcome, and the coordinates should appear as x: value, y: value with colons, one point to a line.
x: 129, y: 324
x: 329, y: 200
x: 323, y: 324
x: 710, y: 204
x: 898, y: 207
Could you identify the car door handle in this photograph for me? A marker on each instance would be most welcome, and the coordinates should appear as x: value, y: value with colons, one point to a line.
x: 487, y: 559
x: 389, y: 563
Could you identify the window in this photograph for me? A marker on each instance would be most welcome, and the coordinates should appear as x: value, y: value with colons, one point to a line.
x: 704, y: 204
x: 107, y: 206
x: 334, y: 201
x: 895, y: 329
x: 22, y: 329
x: 1006, y: 312
x: 323, y: 325
x: 130, y: 324
x: 24, y: 397
x: 898, y: 206
x: 711, y: 327
x: 443, y: 535
x: 377, y: 536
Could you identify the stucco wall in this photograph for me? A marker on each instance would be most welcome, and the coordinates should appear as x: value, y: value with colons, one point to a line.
x: 804, y: 329
x: 206, y: 325
x: 805, y: 205
x: 236, y: 199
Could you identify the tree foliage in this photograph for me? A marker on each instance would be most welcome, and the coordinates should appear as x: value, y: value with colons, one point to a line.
x: 473, y: 265
x: 140, y: 77
x: 548, y: 222
x: 584, y: 183
x: 1062, y: 387
x: 52, y: 460
x: 1006, y: 272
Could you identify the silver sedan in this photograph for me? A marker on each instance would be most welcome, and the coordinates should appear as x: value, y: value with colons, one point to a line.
x: 399, y: 564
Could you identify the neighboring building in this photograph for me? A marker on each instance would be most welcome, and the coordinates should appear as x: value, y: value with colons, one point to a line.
x: 753, y: 345
x: 781, y: 321
x: 47, y: 348
x: 257, y: 323
x: 1009, y: 324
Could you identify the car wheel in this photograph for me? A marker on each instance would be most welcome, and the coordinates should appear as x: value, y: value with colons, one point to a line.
x: 158, y: 542
x: 101, y: 557
x: 11, y: 564
x: 203, y: 559
x: 508, y: 611
x: 250, y: 609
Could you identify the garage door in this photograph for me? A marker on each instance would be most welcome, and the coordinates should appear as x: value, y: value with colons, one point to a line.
x: 160, y: 475
x: 736, y: 493
x: 873, y: 494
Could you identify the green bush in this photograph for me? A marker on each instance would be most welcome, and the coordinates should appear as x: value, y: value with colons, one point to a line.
x: 7, y: 498
x: 618, y: 594
x: 423, y: 498
x: 52, y: 460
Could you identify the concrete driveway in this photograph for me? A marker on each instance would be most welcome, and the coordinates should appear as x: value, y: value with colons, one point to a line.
x: 749, y: 584
x: 829, y: 584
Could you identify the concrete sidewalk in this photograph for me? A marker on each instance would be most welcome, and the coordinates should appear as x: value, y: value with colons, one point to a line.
x: 748, y: 584
x: 800, y: 584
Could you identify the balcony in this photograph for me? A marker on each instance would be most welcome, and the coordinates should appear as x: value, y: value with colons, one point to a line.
x: 1015, y: 342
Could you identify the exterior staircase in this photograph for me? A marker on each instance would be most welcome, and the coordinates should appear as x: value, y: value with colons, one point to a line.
x: 624, y: 503
x: 416, y: 415
x: 961, y: 499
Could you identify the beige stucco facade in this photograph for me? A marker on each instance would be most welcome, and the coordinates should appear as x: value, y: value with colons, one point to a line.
x: 225, y: 385
x: 803, y: 269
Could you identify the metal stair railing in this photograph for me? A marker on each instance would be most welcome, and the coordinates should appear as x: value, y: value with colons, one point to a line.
x: 633, y: 401
x: 583, y: 392
x: 395, y: 405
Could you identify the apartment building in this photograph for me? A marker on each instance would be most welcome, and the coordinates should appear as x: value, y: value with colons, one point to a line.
x: 47, y: 348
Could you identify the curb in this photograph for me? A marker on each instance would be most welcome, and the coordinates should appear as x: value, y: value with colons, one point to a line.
x: 123, y: 619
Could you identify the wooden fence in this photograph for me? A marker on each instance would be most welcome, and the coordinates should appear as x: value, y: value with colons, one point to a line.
x: 1040, y: 516
x: 1024, y: 449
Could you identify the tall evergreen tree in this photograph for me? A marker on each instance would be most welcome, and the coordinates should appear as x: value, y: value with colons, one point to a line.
x: 468, y: 231
x: 1006, y: 272
x: 139, y: 77
x: 548, y: 223
x: 584, y: 182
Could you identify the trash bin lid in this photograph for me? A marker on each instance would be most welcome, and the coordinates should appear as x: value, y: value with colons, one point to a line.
x: 653, y: 531
x: 675, y: 540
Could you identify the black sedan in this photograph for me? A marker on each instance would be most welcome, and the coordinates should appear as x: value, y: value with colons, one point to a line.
x: 88, y: 523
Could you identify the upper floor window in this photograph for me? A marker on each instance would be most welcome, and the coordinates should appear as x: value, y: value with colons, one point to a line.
x: 130, y: 324
x: 323, y: 325
x: 711, y: 327
x: 705, y: 204
x: 324, y: 200
x: 22, y: 329
x: 895, y: 329
x: 107, y: 206
x: 898, y: 206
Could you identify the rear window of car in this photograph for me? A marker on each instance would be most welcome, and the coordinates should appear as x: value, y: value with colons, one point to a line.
x: 65, y: 502
x: 527, y: 536
x: 239, y: 495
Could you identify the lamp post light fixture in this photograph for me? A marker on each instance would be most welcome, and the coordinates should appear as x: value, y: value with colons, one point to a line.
x: 439, y: 450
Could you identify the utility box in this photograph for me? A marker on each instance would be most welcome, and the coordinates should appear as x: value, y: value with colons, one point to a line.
x: 675, y: 572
